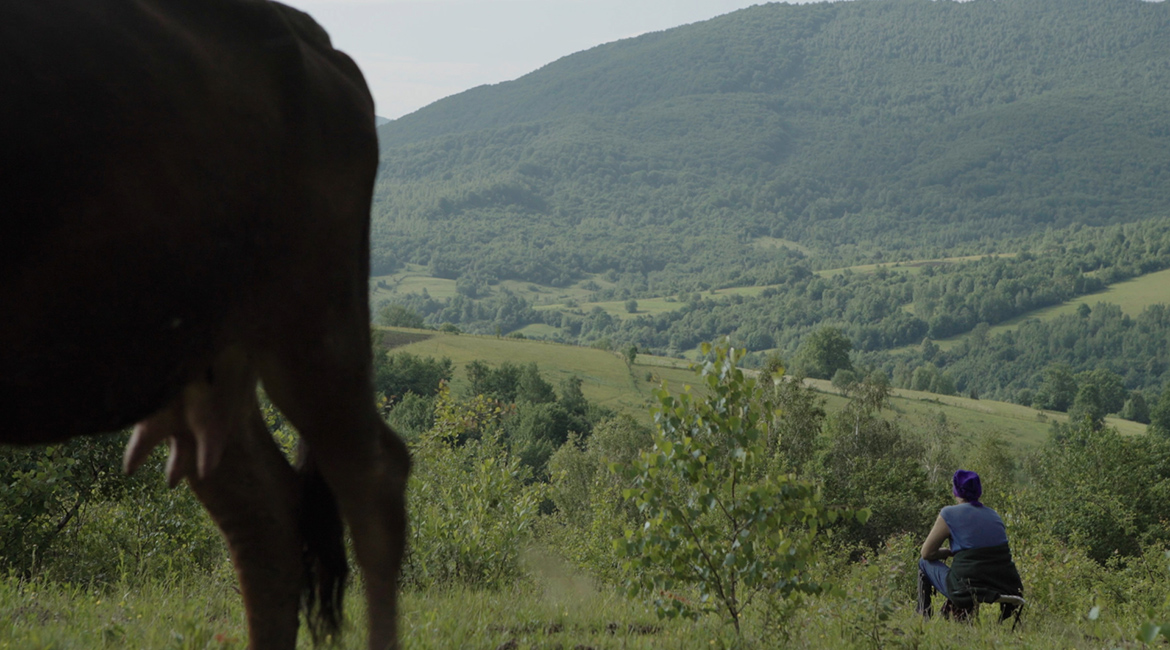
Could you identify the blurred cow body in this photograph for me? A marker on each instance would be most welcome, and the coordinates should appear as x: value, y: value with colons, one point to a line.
x: 185, y: 190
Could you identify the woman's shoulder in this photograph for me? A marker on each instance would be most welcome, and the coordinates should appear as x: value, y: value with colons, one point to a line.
x: 968, y: 511
x: 965, y: 508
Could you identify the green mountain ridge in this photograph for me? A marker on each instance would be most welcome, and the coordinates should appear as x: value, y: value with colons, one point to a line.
x: 851, y: 128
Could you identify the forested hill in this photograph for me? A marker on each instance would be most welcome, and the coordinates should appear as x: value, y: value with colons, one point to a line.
x: 849, y: 127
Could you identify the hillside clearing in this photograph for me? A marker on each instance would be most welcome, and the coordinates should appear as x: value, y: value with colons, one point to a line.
x: 608, y: 381
x: 662, y: 304
x: 913, y: 266
x: 1131, y: 295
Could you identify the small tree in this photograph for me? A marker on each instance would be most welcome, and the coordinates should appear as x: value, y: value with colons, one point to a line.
x: 720, y: 529
x: 843, y: 380
x: 1160, y: 414
x: 399, y: 316
x: 1136, y: 409
x: 472, y: 507
x: 824, y: 352
x: 1059, y: 388
x: 632, y: 306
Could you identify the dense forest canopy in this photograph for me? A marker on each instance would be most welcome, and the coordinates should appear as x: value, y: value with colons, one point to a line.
x: 858, y: 129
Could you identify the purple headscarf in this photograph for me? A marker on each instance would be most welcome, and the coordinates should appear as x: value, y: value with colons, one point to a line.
x: 967, y: 487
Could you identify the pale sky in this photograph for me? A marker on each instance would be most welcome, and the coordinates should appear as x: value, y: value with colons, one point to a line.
x: 414, y: 52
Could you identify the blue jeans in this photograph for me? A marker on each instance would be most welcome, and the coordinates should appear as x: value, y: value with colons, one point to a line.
x: 936, y: 571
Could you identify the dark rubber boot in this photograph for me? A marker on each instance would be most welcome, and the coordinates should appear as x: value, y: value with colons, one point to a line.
x: 925, y: 591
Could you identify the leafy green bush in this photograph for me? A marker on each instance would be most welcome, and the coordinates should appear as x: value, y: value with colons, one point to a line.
x: 716, y: 521
x: 1099, y: 491
x: 152, y: 532
x: 67, y: 512
x: 471, y: 507
x: 867, y: 461
x: 396, y: 375
x: 590, y: 511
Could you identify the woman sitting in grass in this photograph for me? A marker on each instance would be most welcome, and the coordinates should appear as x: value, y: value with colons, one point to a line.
x: 982, y: 568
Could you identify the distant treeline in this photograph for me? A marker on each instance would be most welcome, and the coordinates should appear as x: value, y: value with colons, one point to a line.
x: 895, y: 308
x: 891, y: 308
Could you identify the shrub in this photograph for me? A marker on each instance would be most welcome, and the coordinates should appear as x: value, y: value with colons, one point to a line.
x: 68, y: 512
x: 591, y: 513
x: 395, y: 375
x: 472, y: 510
x: 716, y: 521
x: 867, y: 461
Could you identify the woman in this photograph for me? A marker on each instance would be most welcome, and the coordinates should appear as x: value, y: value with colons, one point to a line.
x: 982, y: 568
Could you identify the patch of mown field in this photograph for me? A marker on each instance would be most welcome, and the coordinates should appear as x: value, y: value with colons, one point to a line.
x: 1022, y: 426
x: 412, y: 279
x: 536, y: 331
x: 618, y: 309
x: 606, y: 378
x: 1132, y: 296
x: 912, y: 266
x: 663, y: 304
x: 772, y: 243
x: 540, y: 295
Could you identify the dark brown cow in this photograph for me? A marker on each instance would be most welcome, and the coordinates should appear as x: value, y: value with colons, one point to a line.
x: 185, y: 189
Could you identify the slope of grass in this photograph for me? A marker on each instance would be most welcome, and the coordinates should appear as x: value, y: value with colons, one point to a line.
x: 411, y: 279
x: 1132, y: 296
x: 913, y: 266
x: 1022, y: 426
x: 772, y: 243
x: 661, y: 304
x: 414, y: 278
x: 607, y: 380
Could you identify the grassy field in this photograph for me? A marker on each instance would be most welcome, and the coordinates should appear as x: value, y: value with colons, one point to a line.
x: 772, y: 243
x: 1022, y: 426
x: 1132, y: 296
x: 607, y: 380
x: 414, y: 279
x: 913, y: 266
x: 556, y: 608
x: 662, y: 304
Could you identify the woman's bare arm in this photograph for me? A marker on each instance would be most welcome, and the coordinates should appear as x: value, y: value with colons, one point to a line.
x: 932, y: 548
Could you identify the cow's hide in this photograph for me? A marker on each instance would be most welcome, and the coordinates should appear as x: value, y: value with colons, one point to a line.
x: 185, y: 191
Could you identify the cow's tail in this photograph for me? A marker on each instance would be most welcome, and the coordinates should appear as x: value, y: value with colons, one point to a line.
x: 326, y: 567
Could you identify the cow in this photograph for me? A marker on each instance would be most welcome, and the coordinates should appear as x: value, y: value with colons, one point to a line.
x: 185, y: 190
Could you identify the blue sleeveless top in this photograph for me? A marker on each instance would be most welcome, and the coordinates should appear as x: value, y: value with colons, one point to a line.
x: 973, y: 527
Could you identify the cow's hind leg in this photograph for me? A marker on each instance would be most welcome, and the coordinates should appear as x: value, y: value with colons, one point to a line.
x: 328, y: 397
x: 252, y: 495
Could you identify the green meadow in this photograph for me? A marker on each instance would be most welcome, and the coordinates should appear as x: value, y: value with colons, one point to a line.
x: 609, y: 381
x: 1023, y: 426
x: 414, y: 279
x: 606, y: 378
x: 1132, y: 296
x: 772, y: 243
x: 555, y: 607
x: 913, y: 266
